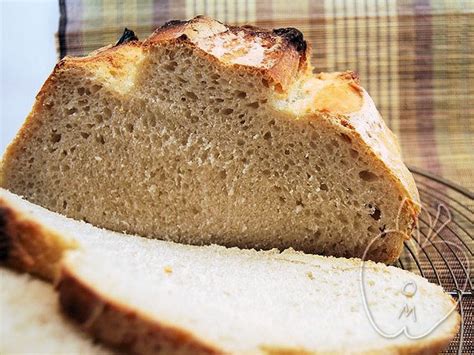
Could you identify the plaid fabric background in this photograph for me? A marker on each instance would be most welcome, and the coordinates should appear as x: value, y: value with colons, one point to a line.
x: 416, y: 57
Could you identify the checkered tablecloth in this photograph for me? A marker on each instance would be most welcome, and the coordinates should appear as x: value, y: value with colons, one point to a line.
x: 416, y: 58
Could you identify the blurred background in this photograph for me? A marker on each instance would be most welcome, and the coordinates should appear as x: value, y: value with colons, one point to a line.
x: 416, y: 57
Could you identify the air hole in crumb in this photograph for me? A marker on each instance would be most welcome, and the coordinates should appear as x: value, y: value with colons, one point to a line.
x: 241, y: 95
x: 171, y: 66
x: 95, y: 88
x: 55, y: 137
x: 265, y: 83
x: 375, y: 212
x: 354, y: 153
x: 191, y: 95
x: 223, y: 174
x: 81, y: 91
x: 227, y: 111
x: 71, y: 111
x: 323, y: 187
x: 240, y: 142
x: 85, y: 135
x: 253, y: 104
x: 100, y: 139
x: 346, y: 138
x: 267, y: 136
x: 367, y: 176
x: 129, y: 127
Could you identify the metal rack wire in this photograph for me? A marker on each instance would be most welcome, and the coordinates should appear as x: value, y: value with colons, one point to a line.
x: 442, y: 249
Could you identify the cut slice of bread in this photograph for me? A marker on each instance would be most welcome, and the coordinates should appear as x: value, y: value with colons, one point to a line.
x: 149, y: 296
x: 206, y: 133
x: 31, y: 321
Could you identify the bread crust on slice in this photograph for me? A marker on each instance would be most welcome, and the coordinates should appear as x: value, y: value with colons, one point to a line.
x: 28, y: 245
x: 121, y: 327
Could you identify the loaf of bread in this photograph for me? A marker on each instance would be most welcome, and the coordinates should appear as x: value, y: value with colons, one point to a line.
x: 149, y: 296
x: 31, y: 321
x: 206, y: 133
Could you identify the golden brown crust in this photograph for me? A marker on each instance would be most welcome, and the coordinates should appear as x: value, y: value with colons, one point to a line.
x: 120, y: 326
x: 29, y: 246
x: 286, y: 53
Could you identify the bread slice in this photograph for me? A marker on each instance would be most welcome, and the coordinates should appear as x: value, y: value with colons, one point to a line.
x: 149, y: 296
x: 206, y: 133
x: 31, y: 321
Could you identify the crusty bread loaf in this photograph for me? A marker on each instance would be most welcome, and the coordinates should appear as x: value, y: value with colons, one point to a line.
x: 31, y: 321
x: 206, y: 133
x: 149, y: 296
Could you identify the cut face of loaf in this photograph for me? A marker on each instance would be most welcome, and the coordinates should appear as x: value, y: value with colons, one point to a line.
x: 206, y: 133
x: 149, y: 296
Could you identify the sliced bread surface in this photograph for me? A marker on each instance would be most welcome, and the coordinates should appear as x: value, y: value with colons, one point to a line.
x: 244, y: 301
x: 206, y: 133
x: 31, y: 321
x: 150, y: 296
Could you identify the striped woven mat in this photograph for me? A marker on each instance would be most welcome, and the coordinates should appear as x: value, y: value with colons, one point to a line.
x: 416, y: 58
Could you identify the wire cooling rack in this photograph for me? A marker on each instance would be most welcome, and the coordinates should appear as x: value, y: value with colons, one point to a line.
x: 442, y: 248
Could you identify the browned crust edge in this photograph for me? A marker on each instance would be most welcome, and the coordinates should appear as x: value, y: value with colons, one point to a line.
x: 293, y: 56
x: 121, y: 327
x: 28, y: 246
